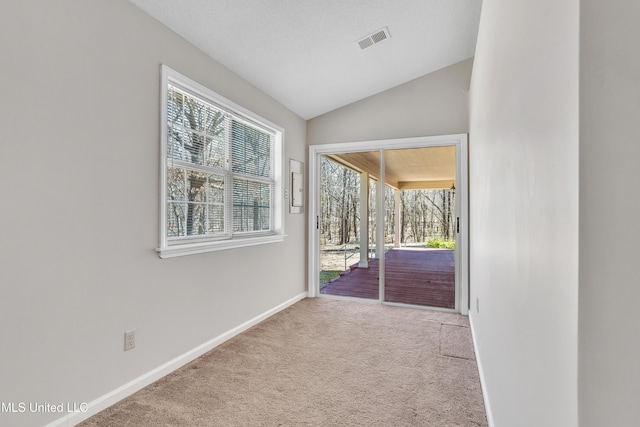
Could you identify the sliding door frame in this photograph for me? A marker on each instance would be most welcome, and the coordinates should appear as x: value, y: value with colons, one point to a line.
x: 462, y: 204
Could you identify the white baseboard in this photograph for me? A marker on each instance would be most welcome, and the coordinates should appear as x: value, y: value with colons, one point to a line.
x: 144, y: 380
x: 483, y: 384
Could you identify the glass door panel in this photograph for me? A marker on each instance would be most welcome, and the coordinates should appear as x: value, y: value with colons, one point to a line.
x: 420, y: 221
x: 345, y: 227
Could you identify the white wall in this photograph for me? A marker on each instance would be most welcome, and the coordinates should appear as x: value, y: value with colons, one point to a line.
x: 609, y: 358
x: 79, y: 146
x: 434, y: 104
x: 524, y: 210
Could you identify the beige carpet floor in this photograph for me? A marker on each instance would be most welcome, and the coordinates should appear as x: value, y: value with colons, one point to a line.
x: 322, y: 362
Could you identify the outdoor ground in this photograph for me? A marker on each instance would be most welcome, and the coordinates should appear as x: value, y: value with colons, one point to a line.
x: 332, y: 258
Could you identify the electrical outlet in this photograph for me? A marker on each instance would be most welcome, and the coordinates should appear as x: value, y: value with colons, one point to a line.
x: 129, y: 340
x: 477, y: 305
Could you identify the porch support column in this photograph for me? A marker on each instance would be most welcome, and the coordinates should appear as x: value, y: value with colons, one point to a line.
x: 396, y: 226
x: 380, y: 229
x: 380, y: 212
x: 364, y: 220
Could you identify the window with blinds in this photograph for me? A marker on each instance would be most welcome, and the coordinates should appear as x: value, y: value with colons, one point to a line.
x: 220, y: 172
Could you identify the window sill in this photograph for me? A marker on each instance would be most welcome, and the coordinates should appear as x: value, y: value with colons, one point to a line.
x: 198, y: 248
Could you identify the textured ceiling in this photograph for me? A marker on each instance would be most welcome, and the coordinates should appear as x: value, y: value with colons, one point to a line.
x: 304, y: 53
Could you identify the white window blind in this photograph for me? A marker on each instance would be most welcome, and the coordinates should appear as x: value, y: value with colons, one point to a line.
x: 220, y: 174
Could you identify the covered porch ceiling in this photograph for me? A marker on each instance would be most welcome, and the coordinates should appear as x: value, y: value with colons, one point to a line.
x: 406, y: 169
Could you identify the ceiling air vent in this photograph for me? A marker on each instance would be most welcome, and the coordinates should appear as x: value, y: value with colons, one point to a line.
x: 374, y: 38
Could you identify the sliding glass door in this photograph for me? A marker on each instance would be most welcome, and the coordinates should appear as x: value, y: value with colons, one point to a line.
x: 386, y: 222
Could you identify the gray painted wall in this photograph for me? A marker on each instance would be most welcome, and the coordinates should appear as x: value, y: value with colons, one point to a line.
x: 524, y: 210
x: 609, y: 358
x: 434, y: 104
x: 79, y: 181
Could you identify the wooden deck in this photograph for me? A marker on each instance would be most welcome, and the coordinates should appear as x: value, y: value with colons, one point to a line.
x: 412, y: 276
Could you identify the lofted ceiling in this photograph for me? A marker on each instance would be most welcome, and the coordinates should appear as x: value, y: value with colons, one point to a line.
x: 305, y: 53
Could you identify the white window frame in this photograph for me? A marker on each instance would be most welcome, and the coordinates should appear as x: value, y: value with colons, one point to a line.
x: 198, y: 244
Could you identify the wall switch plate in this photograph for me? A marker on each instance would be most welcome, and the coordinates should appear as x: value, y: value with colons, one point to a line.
x: 129, y: 340
x: 477, y: 305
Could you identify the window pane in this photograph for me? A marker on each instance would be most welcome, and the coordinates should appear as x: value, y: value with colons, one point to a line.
x: 195, y: 219
x: 195, y: 203
x: 214, y: 153
x: 175, y: 100
x: 176, y: 189
x: 215, y: 190
x: 196, y: 130
x: 176, y: 140
x: 215, y: 204
x: 196, y: 186
x: 192, y: 113
x: 175, y: 219
x: 215, y: 223
x: 203, y: 117
x: 251, y: 150
x: 251, y: 206
x: 194, y: 148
